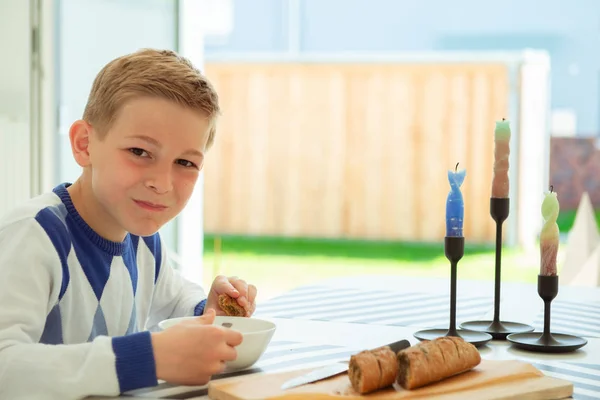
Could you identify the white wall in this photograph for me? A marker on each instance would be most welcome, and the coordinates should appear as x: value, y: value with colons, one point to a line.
x: 14, y: 103
x: 190, y: 223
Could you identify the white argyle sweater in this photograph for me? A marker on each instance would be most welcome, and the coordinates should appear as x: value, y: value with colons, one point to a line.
x: 76, y: 309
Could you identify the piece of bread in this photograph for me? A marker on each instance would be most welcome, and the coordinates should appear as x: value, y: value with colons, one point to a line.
x: 230, y: 306
x: 371, y: 370
x: 431, y: 361
x: 388, y: 366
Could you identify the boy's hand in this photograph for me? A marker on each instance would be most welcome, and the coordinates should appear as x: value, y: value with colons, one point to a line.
x: 191, y: 352
x: 235, y: 287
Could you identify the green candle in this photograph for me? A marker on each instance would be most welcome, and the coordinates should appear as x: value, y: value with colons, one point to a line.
x: 500, y: 184
x: 550, y: 234
x: 502, y: 131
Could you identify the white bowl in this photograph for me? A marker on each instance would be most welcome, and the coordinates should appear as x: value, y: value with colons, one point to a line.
x: 256, y: 333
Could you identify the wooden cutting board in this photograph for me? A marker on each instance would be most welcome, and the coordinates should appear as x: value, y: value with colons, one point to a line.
x: 497, y: 380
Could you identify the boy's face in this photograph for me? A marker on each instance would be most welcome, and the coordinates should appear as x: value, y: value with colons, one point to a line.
x: 145, y: 168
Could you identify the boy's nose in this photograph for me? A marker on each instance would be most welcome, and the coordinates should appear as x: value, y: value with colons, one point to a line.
x: 160, y: 181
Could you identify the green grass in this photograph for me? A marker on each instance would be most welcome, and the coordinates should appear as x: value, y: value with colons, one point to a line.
x: 566, y: 219
x: 336, y: 248
x: 276, y: 265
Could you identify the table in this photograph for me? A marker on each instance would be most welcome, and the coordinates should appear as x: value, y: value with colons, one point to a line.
x: 329, y: 321
x: 423, y: 302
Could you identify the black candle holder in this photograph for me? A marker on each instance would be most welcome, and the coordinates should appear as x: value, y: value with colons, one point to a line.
x: 454, y: 248
x: 546, y: 341
x: 499, y: 209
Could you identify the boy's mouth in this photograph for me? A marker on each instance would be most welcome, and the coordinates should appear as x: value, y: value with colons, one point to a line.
x: 150, y: 206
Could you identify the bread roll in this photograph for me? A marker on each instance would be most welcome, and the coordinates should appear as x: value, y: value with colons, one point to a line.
x: 371, y: 370
x: 431, y: 361
x: 388, y: 366
x: 230, y: 306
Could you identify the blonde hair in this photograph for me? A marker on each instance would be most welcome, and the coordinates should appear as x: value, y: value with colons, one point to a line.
x: 148, y: 72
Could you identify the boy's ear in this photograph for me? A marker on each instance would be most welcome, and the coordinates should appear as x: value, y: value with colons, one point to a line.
x: 80, y: 134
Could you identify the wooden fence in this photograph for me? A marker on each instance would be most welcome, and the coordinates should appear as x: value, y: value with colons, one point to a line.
x: 352, y: 150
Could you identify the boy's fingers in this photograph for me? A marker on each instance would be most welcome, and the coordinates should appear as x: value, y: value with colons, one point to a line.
x: 208, y: 317
x: 233, y: 338
x: 239, y: 285
x: 252, y: 293
x: 250, y: 310
x: 222, y: 284
x: 229, y: 354
x: 238, y: 289
x: 249, y: 302
x: 242, y: 301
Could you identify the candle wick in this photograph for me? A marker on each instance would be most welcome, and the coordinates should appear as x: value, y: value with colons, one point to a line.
x: 503, y: 119
x: 456, y: 168
x: 551, y: 188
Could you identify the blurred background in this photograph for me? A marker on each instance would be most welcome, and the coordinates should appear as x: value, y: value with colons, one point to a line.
x: 340, y: 121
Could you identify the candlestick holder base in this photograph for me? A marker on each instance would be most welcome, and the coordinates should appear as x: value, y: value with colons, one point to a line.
x: 499, y: 210
x: 546, y: 341
x: 454, y: 249
x: 477, y: 339
x: 551, y: 343
x: 498, y: 329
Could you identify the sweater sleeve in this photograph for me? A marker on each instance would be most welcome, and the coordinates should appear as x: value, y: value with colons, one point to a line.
x: 174, y: 295
x: 31, y: 272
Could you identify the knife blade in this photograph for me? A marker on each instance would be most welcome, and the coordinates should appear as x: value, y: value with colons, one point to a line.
x: 333, y: 369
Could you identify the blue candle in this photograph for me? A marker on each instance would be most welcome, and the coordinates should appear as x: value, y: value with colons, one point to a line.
x: 455, y: 206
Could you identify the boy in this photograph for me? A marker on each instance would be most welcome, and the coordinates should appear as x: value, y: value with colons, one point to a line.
x: 84, y: 279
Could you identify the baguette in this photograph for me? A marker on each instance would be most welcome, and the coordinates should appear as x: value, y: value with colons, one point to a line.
x: 230, y: 306
x: 431, y: 361
x: 371, y: 370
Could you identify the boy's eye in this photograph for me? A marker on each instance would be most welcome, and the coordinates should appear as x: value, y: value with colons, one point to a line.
x: 186, y: 163
x: 138, y: 152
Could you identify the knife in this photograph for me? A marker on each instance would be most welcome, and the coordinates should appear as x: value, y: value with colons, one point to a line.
x: 333, y: 369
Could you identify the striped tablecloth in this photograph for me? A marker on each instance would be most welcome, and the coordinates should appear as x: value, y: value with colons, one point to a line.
x: 283, y: 356
x: 574, y: 318
x: 419, y: 309
x: 368, y: 307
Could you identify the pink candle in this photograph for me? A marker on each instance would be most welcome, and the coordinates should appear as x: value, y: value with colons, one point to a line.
x: 500, y: 184
x: 550, y: 234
